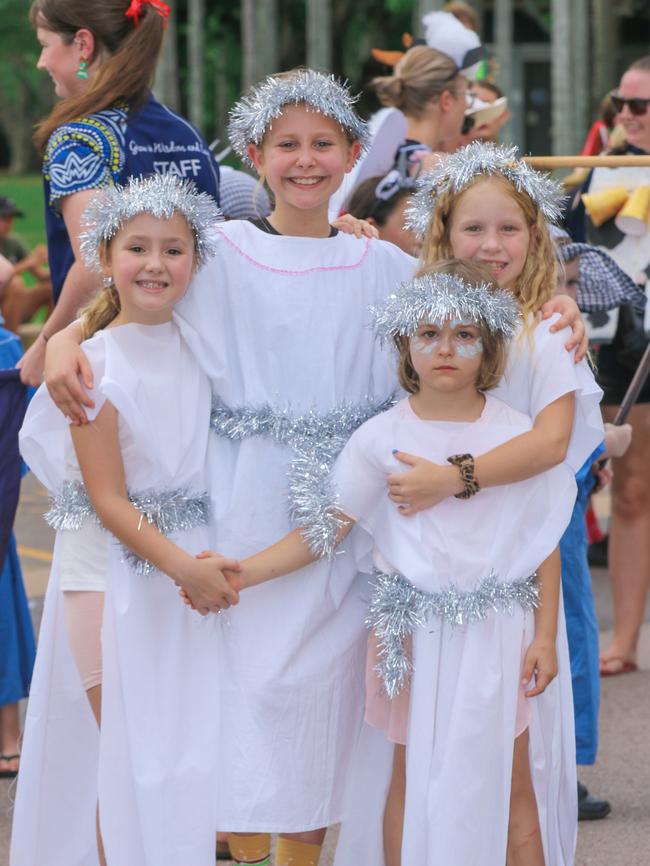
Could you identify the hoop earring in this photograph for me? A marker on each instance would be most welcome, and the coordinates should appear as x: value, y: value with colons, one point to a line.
x: 81, y: 72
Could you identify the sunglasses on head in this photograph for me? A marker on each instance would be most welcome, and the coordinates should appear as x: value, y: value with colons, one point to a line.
x: 636, y: 105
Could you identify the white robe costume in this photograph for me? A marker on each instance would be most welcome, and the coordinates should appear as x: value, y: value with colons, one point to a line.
x: 153, y: 767
x: 285, y: 331
x: 464, y: 691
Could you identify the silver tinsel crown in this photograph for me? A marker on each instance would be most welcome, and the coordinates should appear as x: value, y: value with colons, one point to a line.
x: 251, y: 117
x: 161, y: 195
x: 456, y: 170
x: 435, y: 298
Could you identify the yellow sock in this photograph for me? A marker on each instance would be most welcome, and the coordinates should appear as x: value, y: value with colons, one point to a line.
x: 289, y: 852
x: 250, y: 848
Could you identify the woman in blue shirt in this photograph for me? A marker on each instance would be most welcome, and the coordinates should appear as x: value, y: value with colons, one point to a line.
x: 106, y: 128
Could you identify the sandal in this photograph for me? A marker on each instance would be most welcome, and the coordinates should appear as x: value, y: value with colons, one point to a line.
x: 8, y: 774
x: 615, y: 665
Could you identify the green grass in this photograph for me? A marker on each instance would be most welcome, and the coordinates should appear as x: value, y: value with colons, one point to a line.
x: 27, y: 192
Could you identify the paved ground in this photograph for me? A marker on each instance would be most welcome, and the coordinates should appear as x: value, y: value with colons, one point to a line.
x: 622, y: 772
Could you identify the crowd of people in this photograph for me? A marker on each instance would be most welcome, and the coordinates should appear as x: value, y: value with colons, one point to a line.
x: 320, y: 437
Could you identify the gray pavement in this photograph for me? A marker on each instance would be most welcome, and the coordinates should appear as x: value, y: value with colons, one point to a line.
x: 622, y: 773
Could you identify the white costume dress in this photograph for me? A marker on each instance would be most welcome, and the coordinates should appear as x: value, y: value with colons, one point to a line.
x: 153, y: 768
x: 284, y: 329
x: 465, y: 686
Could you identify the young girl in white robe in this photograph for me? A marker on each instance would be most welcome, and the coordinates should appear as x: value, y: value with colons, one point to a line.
x: 465, y: 596
x: 131, y: 507
x: 281, y: 320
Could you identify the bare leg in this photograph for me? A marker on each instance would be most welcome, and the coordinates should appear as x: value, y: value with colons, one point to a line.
x: 83, y: 614
x: 394, y: 811
x: 10, y: 736
x: 524, y: 837
x: 629, y: 539
x: 311, y: 837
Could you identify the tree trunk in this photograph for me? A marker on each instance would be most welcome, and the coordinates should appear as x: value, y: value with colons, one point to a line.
x: 196, y: 60
x: 319, y: 35
x: 563, y: 129
x: 267, y: 37
x: 166, y: 83
x: 249, y: 43
x: 605, y: 36
x: 503, y: 27
x: 420, y: 8
x: 581, y: 70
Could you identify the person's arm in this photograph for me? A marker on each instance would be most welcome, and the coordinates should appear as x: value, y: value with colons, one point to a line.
x: 289, y: 554
x: 34, y: 262
x: 6, y: 272
x: 526, y: 455
x: 351, y: 225
x: 570, y: 316
x: 540, y: 660
x: 68, y: 373
x: 81, y: 283
x: 100, y: 460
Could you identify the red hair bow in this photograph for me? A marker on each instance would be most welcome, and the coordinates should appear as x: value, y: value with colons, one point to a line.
x: 135, y: 9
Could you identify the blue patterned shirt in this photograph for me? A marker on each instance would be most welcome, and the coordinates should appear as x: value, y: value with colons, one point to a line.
x: 109, y: 147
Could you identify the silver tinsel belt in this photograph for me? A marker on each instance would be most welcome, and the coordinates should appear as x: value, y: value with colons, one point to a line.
x: 397, y: 609
x: 168, y: 510
x: 316, y: 439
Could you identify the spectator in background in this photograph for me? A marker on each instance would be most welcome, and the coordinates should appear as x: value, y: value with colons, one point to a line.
x: 465, y: 13
x: 18, y: 302
x: 106, y: 128
x: 429, y: 89
x: 629, y: 537
x: 382, y: 201
x: 17, y: 645
x: 598, y: 137
x: 242, y: 197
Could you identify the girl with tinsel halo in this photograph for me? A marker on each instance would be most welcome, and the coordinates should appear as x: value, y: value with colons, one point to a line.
x: 139, y: 745
x: 465, y: 596
x: 281, y: 317
x: 105, y: 128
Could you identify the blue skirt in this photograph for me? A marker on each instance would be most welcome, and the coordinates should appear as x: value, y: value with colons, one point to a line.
x: 17, y: 645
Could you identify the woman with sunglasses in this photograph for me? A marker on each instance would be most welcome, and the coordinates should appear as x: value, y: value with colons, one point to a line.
x: 629, y: 537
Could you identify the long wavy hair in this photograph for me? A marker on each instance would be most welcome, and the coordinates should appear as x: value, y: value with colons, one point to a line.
x: 536, y: 283
x: 129, y: 55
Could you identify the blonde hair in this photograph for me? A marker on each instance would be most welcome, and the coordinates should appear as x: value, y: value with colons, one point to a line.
x: 535, y: 284
x: 422, y: 75
x: 495, y: 349
x: 100, y: 311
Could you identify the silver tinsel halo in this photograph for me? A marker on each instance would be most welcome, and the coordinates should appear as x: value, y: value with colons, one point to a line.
x: 161, y: 195
x: 397, y: 609
x: 434, y: 298
x: 456, y: 170
x: 251, y: 117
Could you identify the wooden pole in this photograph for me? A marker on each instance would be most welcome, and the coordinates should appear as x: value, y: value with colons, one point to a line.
x: 549, y: 163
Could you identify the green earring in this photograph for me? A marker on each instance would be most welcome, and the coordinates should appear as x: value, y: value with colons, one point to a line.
x: 81, y: 72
